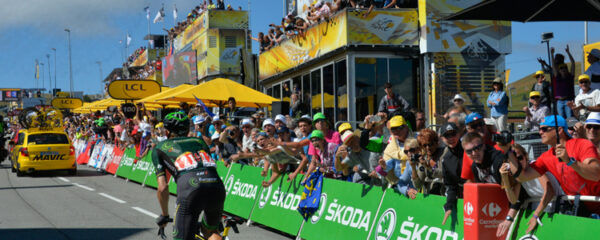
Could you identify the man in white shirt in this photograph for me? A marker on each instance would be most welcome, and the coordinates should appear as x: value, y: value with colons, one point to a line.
x: 588, y: 99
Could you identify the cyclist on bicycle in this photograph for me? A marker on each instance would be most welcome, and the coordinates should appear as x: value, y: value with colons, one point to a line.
x: 199, y: 187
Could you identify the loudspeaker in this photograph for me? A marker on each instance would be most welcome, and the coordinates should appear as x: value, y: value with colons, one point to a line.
x: 282, y: 108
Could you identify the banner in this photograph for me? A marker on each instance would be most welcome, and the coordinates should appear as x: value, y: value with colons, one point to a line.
x: 347, y: 211
x: 141, y: 60
x: 348, y: 27
x: 114, y: 163
x: 180, y: 68
x: 281, y: 199
x: 243, y: 185
x: 402, y: 218
x: 84, y: 157
x: 139, y: 170
x: 95, y: 153
x: 126, y: 163
x: 556, y: 226
x: 222, y: 170
x: 586, y: 50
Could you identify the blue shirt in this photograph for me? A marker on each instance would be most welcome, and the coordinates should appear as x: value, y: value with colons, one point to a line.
x: 305, y: 148
x: 501, y: 101
x: 405, y: 181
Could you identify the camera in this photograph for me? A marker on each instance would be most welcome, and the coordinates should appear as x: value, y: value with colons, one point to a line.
x: 504, y: 138
x: 415, y: 157
x: 547, y: 36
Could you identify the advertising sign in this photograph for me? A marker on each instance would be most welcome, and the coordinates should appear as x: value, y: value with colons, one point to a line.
x: 9, y: 95
x: 243, y: 186
x: 347, y: 211
x: 556, y: 226
x: 129, y: 110
x: 140, y: 168
x: 421, y: 218
x: 132, y: 89
x: 180, y: 68
x: 126, y: 163
x: 281, y: 199
x: 67, y: 103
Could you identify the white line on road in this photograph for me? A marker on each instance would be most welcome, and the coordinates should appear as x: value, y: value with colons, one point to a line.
x: 64, y: 179
x: 144, y: 211
x: 112, y: 198
x: 84, y: 187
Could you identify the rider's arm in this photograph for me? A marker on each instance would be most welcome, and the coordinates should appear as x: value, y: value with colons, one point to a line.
x: 162, y: 192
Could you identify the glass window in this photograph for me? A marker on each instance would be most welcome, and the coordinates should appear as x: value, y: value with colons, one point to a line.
x: 270, y: 91
x: 341, y: 91
x: 21, y: 139
x: 315, y: 91
x: 381, y: 77
x: 328, y: 93
x: 277, y: 91
x: 286, y: 91
x: 48, y: 138
x: 306, y: 99
x: 365, y: 87
x: 403, y: 79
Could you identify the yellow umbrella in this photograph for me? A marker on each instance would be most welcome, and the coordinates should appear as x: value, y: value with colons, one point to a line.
x: 219, y: 90
x: 156, y: 98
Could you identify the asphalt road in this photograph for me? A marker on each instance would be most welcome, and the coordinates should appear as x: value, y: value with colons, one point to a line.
x: 90, y: 205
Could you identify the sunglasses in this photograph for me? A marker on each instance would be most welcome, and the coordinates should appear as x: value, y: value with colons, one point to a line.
x: 474, y: 149
x: 595, y: 127
x: 545, y: 129
x: 534, y: 97
x: 397, y: 128
x: 476, y: 125
x: 412, y: 150
x: 450, y: 134
x: 584, y: 82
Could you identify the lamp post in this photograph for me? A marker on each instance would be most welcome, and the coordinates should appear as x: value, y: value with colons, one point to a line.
x: 100, y: 66
x: 54, y: 49
x: 49, y: 74
x: 70, y: 63
x: 43, y: 76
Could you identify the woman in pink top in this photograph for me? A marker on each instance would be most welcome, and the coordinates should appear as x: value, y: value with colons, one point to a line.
x: 331, y: 136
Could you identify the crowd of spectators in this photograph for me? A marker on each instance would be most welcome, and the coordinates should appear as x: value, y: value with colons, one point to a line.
x: 196, y: 13
x: 138, y: 52
x: 293, y: 24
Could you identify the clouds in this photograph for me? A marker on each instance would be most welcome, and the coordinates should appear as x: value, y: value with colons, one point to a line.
x: 84, y: 17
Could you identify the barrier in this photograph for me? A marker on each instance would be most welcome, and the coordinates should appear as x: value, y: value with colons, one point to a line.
x: 85, y: 156
x: 485, y: 208
x: 348, y: 210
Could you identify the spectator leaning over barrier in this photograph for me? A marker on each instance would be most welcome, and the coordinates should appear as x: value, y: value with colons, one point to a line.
x: 593, y: 58
x: 391, y: 102
x: 269, y: 127
x: 395, y: 147
x: 372, y: 135
x: 232, y: 145
x: 475, y: 124
x: 498, y: 103
x: 588, y: 100
x: 427, y: 172
x: 305, y: 126
x: 320, y: 123
x: 325, y: 155
x: 592, y: 129
x: 576, y: 128
x: 542, y: 188
x: 451, y: 167
x: 398, y: 176
x: 536, y: 113
x: 543, y: 87
x: 574, y: 161
x: 355, y: 161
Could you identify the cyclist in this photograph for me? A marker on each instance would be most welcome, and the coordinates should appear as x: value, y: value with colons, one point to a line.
x: 199, y: 187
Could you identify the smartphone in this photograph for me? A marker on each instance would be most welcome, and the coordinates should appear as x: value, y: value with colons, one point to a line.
x: 375, y: 118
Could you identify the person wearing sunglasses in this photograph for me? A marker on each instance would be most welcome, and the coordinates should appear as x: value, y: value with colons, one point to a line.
x: 536, y: 113
x: 592, y: 129
x: 399, y: 133
x: 399, y: 176
x: 574, y: 163
x: 543, y: 87
x: 475, y: 124
x: 452, y: 158
x: 588, y: 99
x: 427, y: 174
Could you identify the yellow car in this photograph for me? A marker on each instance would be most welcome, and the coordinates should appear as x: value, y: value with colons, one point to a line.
x: 42, y: 150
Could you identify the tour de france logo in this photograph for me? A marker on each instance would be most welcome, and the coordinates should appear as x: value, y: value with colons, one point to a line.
x: 386, y: 225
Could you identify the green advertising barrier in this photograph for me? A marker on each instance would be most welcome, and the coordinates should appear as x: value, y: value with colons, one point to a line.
x: 243, y: 185
x: 151, y: 178
x: 126, y: 163
x: 402, y: 218
x: 277, y: 205
x: 140, y: 169
x: 222, y: 170
x: 557, y: 226
x: 347, y: 211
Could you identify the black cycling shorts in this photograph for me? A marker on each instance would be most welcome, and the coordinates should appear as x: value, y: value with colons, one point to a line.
x: 198, y: 191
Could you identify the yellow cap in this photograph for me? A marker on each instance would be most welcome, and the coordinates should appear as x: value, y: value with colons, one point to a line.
x: 343, y: 127
x: 537, y: 73
x: 534, y: 94
x: 583, y: 77
x: 159, y: 125
x: 397, y: 121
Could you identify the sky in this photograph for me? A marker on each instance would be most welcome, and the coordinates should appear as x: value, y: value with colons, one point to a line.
x: 29, y: 29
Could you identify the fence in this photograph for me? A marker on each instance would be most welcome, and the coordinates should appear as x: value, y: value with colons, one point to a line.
x: 347, y: 210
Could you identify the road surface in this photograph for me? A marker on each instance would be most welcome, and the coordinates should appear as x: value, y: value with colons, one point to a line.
x: 90, y: 205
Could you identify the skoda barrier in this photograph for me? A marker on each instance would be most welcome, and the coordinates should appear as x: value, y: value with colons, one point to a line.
x: 347, y: 210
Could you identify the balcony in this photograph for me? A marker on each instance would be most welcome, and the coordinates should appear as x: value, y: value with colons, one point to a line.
x: 382, y: 27
x: 219, y: 19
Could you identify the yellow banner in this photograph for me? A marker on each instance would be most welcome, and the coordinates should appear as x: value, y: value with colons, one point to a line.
x: 141, y: 60
x: 67, y: 103
x: 228, y: 19
x: 586, y: 50
x: 132, y: 89
x: 380, y: 27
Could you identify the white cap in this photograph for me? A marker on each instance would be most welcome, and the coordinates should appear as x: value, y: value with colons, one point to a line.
x: 215, y: 136
x: 216, y: 118
x: 198, y: 119
x: 268, y: 121
x: 247, y: 121
x: 280, y: 117
x: 593, y: 119
x: 457, y: 97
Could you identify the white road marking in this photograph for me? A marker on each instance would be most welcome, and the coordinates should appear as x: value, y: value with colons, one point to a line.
x: 144, y: 211
x: 84, y: 187
x: 64, y: 179
x: 112, y: 198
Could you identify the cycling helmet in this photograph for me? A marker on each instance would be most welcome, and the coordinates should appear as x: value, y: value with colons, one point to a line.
x: 177, y: 123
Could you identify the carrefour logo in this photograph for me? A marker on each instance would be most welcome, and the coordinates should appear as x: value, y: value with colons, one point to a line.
x: 468, y: 208
x: 264, y: 197
x: 491, y: 209
x: 386, y: 225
